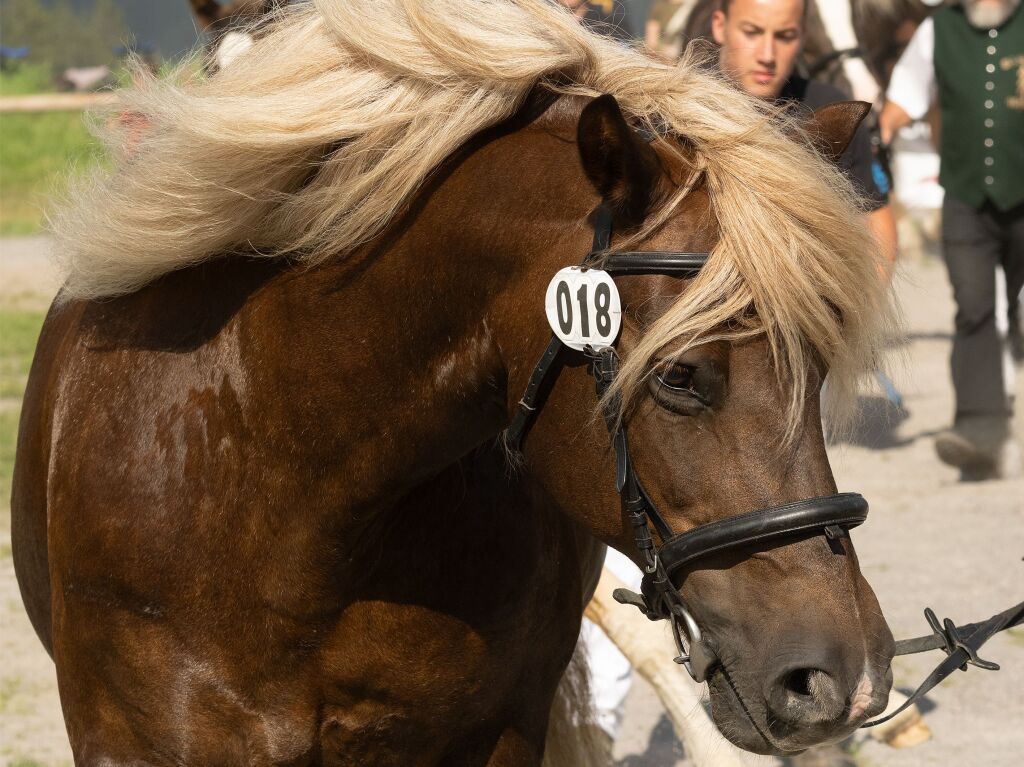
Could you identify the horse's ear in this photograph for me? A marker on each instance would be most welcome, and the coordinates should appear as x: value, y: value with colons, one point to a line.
x: 622, y: 167
x: 207, y: 12
x: 832, y: 126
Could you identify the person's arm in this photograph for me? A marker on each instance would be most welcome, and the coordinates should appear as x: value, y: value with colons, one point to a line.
x: 882, y: 224
x: 912, y: 83
x: 892, y: 118
x: 652, y: 35
x: 858, y: 163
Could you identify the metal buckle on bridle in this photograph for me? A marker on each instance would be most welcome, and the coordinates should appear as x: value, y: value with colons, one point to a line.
x: 605, y: 362
x: 684, y: 640
x: 652, y: 560
x: 691, y: 651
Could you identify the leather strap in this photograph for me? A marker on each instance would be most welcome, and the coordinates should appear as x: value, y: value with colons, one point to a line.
x: 652, y: 511
x: 961, y: 645
x: 602, y: 231
x: 677, y: 264
x: 626, y: 262
x: 942, y: 637
x: 841, y: 511
x: 528, y: 404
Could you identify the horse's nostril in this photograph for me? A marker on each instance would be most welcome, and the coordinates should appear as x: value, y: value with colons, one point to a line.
x: 809, y: 695
x: 799, y: 681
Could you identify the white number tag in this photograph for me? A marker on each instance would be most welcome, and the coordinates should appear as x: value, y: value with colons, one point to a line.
x: 583, y: 308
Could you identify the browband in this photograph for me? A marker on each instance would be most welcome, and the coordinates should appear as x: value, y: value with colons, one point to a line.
x: 652, y: 262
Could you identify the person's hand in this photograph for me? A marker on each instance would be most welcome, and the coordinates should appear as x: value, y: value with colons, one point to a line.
x: 892, y: 118
x: 579, y: 7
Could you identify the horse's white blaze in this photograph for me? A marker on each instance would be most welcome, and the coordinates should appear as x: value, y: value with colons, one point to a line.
x: 862, y: 695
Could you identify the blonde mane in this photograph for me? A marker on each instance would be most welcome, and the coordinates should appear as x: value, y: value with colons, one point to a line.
x: 312, y: 141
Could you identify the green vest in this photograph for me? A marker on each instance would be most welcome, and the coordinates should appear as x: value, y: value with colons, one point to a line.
x: 980, y: 76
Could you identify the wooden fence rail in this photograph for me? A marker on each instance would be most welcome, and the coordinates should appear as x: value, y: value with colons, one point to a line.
x: 55, y: 102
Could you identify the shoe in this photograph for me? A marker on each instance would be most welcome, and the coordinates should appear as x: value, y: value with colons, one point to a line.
x: 974, y: 462
x: 981, y: 448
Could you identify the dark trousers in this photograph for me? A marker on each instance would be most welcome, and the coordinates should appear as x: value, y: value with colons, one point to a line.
x: 974, y: 242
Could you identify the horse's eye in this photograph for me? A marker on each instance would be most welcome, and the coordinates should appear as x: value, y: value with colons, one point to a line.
x: 681, y: 388
x: 677, y: 377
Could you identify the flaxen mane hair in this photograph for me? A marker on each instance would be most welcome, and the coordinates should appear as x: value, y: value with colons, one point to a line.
x: 316, y: 137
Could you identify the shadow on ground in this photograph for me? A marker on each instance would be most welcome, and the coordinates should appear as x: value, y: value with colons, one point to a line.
x: 663, y: 748
x: 875, y: 425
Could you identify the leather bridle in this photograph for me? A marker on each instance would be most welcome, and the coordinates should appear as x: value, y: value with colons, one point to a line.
x: 832, y: 515
x: 660, y: 599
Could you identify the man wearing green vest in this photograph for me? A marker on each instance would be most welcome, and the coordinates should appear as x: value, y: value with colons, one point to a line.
x: 972, y: 56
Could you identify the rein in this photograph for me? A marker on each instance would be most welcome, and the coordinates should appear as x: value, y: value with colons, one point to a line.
x: 831, y: 515
x: 961, y: 645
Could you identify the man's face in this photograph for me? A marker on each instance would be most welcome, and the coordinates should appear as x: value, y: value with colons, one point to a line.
x: 760, y: 40
x: 986, y: 14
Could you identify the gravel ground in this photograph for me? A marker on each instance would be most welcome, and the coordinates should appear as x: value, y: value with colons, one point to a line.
x: 27, y: 276
x: 930, y: 541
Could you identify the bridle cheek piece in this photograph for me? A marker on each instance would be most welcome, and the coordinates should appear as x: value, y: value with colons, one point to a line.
x: 660, y: 599
x: 831, y: 515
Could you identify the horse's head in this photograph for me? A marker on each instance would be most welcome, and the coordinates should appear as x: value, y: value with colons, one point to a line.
x: 716, y: 429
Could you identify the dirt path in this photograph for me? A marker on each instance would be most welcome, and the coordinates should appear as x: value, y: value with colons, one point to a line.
x: 930, y: 541
x: 27, y: 276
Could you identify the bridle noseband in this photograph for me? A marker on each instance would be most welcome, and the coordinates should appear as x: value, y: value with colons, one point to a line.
x: 660, y: 599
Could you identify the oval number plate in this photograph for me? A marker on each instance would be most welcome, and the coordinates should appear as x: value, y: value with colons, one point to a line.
x: 583, y: 308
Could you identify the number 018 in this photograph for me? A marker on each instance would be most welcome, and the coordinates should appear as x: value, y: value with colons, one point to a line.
x: 602, y: 303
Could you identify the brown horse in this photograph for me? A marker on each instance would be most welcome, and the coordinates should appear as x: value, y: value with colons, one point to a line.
x: 261, y: 513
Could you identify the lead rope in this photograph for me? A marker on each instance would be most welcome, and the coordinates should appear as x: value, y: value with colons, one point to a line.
x: 961, y: 645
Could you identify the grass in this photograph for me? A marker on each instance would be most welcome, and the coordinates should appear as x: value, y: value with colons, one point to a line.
x: 18, y: 333
x: 36, y: 152
x: 9, y: 686
x: 27, y: 78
